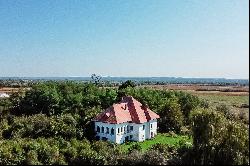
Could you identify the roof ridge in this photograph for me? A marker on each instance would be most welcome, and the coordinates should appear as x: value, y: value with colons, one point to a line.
x: 112, y: 109
x: 146, y: 112
x: 133, y: 111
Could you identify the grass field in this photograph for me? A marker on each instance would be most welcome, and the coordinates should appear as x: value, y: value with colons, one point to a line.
x: 235, y: 101
x: 202, y: 88
x: 160, y: 138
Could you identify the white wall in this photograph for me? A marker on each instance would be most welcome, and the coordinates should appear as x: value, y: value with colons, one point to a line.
x: 146, y: 133
x: 100, y: 134
x: 120, y: 137
x: 138, y: 134
x: 152, y: 129
x: 4, y: 95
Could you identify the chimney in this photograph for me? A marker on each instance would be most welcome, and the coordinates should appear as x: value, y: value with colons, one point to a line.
x: 124, y: 106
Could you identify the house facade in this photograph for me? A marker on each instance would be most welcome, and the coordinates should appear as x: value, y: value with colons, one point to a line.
x: 4, y: 95
x: 127, y: 120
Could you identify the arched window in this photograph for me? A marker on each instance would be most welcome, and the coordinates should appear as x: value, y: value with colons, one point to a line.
x: 107, y: 130
x: 98, y: 129
x: 118, y: 130
x: 102, y: 129
x: 112, y: 131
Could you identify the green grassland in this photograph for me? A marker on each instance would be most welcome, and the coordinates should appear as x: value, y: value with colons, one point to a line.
x: 172, y: 140
x: 235, y: 101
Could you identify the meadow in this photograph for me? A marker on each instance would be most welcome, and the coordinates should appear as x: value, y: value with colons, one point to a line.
x: 162, y: 138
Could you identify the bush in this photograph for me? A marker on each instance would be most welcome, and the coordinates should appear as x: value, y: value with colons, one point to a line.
x: 216, y: 138
x: 171, y: 117
x: 133, y: 158
x: 32, y: 158
x: 40, y: 125
x: 11, y: 153
x: 188, y: 103
x: 154, y: 157
x: 135, y: 147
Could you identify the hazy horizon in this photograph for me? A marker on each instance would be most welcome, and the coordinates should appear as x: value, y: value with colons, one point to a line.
x: 107, y: 76
x: 132, y: 38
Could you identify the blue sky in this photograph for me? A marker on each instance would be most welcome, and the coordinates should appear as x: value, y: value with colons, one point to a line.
x: 179, y: 38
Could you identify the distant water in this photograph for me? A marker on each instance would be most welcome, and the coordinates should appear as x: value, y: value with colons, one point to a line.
x: 142, y: 79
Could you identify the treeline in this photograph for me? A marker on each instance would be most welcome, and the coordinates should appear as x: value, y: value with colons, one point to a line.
x: 87, y: 100
x: 18, y: 82
x: 51, y: 124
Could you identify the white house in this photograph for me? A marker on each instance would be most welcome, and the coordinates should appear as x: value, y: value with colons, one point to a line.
x: 4, y: 95
x: 126, y: 120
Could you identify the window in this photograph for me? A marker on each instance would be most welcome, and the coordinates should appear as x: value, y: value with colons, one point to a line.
x: 143, y: 127
x: 98, y: 129
x: 121, y: 129
x: 127, y: 129
x: 118, y: 130
x: 131, y: 128
x: 102, y: 129
x: 107, y: 130
x: 151, y: 125
x: 124, y: 129
x: 131, y: 137
x: 112, y: 131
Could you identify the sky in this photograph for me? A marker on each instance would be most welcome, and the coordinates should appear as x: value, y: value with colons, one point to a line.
x: 171, y: 38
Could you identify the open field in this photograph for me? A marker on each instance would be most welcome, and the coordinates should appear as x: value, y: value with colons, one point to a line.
x: 234, y: 101
x: 238, y: 105
x: 205, y: 89
x: 235, y: 98
x: 193, y: 88
x: 8, y: 90
x: 160, y: 138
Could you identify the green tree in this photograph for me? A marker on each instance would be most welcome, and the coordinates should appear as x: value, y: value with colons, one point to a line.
x: 96, y: 78
x: 216, y: 138
x: 171, y: 116
x: 126, y: 84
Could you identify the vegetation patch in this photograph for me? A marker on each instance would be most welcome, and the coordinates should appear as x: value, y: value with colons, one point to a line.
x: 51, y: 124
x: 165, y: 138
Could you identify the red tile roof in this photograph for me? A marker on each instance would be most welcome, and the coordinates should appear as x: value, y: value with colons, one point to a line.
x: 128, y: 110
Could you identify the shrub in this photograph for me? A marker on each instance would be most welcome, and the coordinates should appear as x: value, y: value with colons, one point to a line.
x: 154, y: 157
x: 133, y: 158
x: 216, y: 138
x: 135, y: 147
x: 32, y: 158
x: 171, y: 116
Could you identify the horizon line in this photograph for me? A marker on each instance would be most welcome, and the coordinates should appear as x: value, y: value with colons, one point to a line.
x: 124, y: 77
